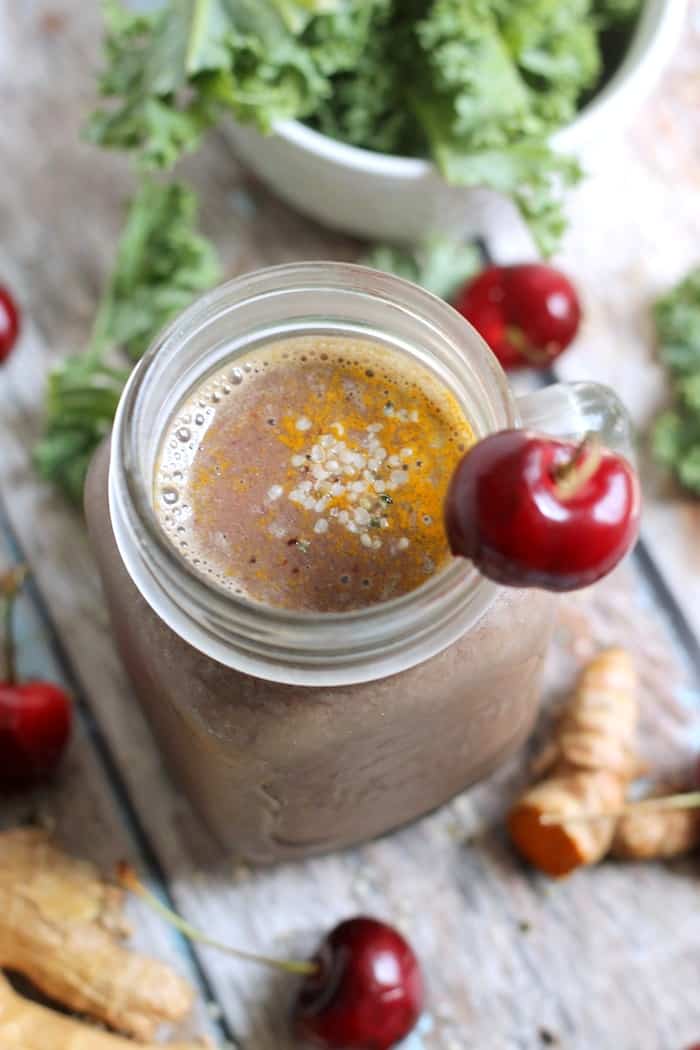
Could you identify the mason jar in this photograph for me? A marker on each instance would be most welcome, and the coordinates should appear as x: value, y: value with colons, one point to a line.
x: 294, y: 733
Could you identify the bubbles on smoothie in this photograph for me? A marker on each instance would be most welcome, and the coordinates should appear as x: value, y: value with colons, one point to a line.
x: 169, y: 495
x: 183, y: 434
x: 199, y: 419
x: 236, y: 376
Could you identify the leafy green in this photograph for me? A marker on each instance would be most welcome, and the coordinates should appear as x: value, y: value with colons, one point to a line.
x: 611, y: 11
x: 365, y: 106
x: 440, y: 265
x: 480, y: 85
x: 150, y: 59
x: 162, y: 263
x: 173, y: 73
x: 82, y: 400
x: 555, y: 49
x: 529, y: 171
x: 498, y: 78
x: 676, y: 432
x: 677, y: 318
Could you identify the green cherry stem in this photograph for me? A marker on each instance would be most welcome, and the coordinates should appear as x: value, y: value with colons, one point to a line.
x: 687, y: 800
x: 129, y: 880
x: 570, y: 477
x: 10, y: 586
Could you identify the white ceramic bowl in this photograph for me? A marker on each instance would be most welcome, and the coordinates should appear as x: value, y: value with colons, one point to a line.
x: 382, y: 196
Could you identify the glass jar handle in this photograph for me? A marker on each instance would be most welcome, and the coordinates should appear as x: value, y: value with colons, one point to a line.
x: 572, y: 410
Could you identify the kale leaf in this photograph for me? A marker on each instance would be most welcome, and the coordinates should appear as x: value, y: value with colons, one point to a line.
x: 676, y: 432
x: 478, y: 85
x: 440, y: 265
x: 162, y: 263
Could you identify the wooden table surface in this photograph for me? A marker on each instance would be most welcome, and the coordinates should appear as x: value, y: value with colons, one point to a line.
x: 606, y: 960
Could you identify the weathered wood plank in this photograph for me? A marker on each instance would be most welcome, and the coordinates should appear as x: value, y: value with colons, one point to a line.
x: 81, y: 809
x: 507, y: 953
x: 461, y: 905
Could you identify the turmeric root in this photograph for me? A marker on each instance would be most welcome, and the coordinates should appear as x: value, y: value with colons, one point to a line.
x: 61, y: 926
x: 24, y: 1025
x: 589, y: 765
x: 656, y: 834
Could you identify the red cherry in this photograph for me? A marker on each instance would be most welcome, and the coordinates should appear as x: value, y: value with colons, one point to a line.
x: 368, y: 993
x: 527, y: 314
x: 532, y: 511
x: 9, y: 323
x: 35, y: 717
x: 35, y: 723
x: 363, y: 990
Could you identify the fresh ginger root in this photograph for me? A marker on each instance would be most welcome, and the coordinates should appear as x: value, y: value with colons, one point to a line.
x: 61, y: 926
x: 588, y: 765
x: 24, y: 1025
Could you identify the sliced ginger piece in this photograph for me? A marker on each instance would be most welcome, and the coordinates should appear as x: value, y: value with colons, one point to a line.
x: 589, y: 762
x: 24, y: 1025
x: 61, y: 926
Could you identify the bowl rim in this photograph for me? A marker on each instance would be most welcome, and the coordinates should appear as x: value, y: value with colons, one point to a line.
x: 655, y: 37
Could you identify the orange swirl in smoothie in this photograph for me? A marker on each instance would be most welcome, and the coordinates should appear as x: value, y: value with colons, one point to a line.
x: 310, y: 474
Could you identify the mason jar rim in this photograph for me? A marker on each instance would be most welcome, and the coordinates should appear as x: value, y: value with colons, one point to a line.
x: 283, y: 644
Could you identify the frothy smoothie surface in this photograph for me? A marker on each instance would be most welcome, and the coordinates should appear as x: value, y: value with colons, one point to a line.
x: 310, y: 474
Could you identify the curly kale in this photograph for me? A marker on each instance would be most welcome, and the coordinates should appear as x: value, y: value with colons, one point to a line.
x: 479, y: 85
x: 676, y: 433
x: 162, y: 263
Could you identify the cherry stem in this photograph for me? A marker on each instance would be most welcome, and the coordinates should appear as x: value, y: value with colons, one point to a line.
x: 569, y: 478
x: 10, y: 586
x: 687, y: 800
x: 129, y: 880
x: 524, y: 347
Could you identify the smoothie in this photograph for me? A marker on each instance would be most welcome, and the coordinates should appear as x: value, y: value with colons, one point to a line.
x: 317, y: 668
x: 310, y: 475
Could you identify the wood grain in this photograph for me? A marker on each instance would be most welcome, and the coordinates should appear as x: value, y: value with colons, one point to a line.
x: 605, y: 960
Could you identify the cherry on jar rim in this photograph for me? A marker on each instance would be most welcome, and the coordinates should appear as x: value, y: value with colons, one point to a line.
x: 533, y: 511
